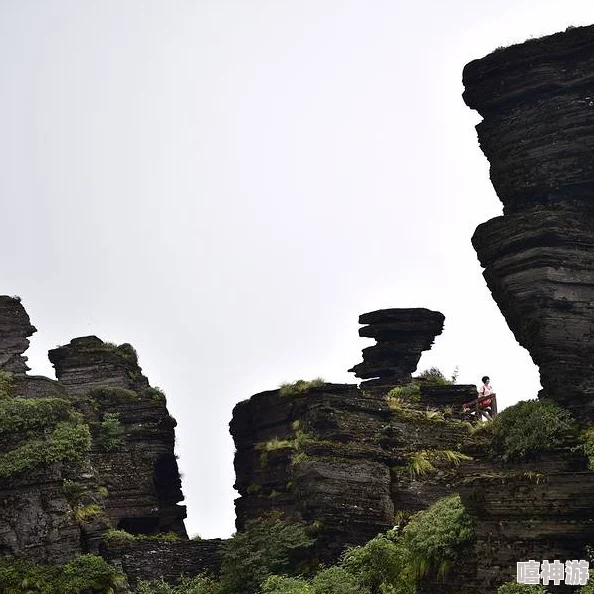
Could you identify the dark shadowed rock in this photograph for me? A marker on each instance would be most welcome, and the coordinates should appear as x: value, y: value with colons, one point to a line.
x: 15, y: 328
x: 401, y: 335
x: 537, y: 100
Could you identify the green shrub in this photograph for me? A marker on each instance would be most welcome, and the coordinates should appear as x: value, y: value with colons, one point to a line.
x: 266, y: 547
x: 434, y: 376
x: 277, y: 584
x: 18, y: 415
x: 300, y: 387
x: 74, y: 491
x: 86, y: 513
x: 113, y: 397
x: 336, y: 580
x: 84, y: 574
x: 6, y: 383
x: 381, y: 565
x: 517, y: 588
x: 528, y: 428
x: 409, y: 392
x: 155, y: 394
x: 118, y: 538
x: 436, y: 537
x: 111, y: 432
x: 68, y: 443
x: 194, y: 585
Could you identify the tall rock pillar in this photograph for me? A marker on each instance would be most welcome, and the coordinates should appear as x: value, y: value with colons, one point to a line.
x: 537, y: 103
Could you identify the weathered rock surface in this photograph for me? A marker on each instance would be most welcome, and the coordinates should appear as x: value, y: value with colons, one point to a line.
x: 15, y: 328
x: 339, y: 459
x: 154, y: 559
x: 537, y: 100
x: 401, y: 335
x: 53, y: 510
x: 109, y: 376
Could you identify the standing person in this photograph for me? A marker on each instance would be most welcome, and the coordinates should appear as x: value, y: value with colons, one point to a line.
x: 487, y: 397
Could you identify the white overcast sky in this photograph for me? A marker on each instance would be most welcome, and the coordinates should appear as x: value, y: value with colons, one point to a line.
x: 227, y: 185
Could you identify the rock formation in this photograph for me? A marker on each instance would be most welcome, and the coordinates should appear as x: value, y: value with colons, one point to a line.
x: 537, y: 101
x: 401, y: 336
x: 90, y: 452
x: 339, y: 457
x: 15, y: 328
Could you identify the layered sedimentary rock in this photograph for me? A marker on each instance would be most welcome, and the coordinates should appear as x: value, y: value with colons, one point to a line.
x: 401, y: 336
x: 15, y: 328
x: 537, y: 101
x: 110, y: 378
x: 341, y: 460
x: 90, y: 452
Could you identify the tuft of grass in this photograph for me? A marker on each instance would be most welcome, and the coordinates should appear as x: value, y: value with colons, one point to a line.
x: 419, y: 465
x: 300, y: 387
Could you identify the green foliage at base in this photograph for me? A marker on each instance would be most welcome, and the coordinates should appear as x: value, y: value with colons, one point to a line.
x: 87, y: 573
x: 111, y: 432
x: 69, y: 443
x: 300, y: 387
x: 529, y: 427
x: 267, y: 546
x: 435, y: 538
x: 516, y: 588
x: 194, y: 585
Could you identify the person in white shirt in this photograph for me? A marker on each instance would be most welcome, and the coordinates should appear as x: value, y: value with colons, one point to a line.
x: 487, y: 396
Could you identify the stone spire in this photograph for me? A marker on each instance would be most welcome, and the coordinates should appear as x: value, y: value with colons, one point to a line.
x: 401, y: 335
x: 537, y: 101
x: 15, y: 328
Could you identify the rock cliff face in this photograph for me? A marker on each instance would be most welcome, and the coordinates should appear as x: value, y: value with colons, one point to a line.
x: 110, y: 378
x: 87, y: 453
x: 401, y: 335
x: 15, y: 329
x: 537, y: 101
x: 538, y: 134
x: 341, y: 458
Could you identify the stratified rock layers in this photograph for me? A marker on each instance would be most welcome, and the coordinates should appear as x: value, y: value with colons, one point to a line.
x: 109, y: 376
x: 15, y: 328
x: 537, y: 100
x: 402, y: 334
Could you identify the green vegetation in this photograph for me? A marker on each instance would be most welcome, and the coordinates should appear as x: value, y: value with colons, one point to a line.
x: 6, y: 382
x: 156, y: 394
x: 86, y: 513
x: 269, y: 557
x: 300, y: 387
x: 514, y: 587
x: 121, y: 538
x: 423, y: 461
x: 407, y: 393
x: 266, y: 547
x: 18, y: 415
x: 435, y: 377
x: 118, y: 538
x: 435, y: 538
x: 109, y: 397
x: 529, y: 427
x: 87, y: 573
x: 69, y: 443
x: 111, y: 432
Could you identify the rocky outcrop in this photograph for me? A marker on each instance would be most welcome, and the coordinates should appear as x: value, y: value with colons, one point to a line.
x: 109, y: 378
x: 401, y: 335
x: 537, y: 101
x: 342, y: 460
x: 89, y: 452
x: 154, y: 559
x: 15, y: 328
